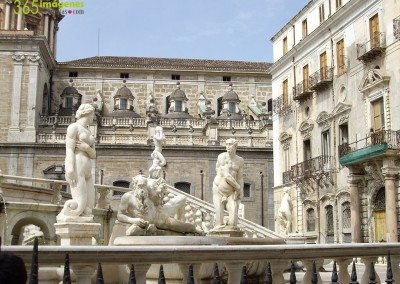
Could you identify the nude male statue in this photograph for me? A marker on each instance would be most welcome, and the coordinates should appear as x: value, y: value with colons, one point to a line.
x: 145, y: 215
x: 228, y: 186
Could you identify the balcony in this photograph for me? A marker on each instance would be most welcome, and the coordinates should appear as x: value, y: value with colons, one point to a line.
x: 396, y: 28
x: 312, y: 169
x: 287, y: 177
x: 321, y: 79
x: 372, y: 48
x: 280, y: 106
x: 302, y: 90
x: 375, y: 145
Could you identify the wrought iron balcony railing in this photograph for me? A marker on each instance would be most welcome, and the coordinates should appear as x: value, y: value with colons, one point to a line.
x: 372, y: 48
x: 302, y: 90
x: 396, y: 28
x: 312, y: 168
x: 384, y: 137
x: 282, y: 106
x: 287, y: 177
x: 321, y: 78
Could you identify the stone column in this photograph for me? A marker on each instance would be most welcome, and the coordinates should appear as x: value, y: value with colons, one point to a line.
x: 354, y: 180
x: 7, y: 16
x: 19, y: 21
x: 16, y: 97
x: 46, y: 26
x: 32, y: 108
x: 390, y: 174
x: 51, y: 41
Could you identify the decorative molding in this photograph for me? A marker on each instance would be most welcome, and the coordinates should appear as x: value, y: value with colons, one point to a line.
x: 324, y: 120
x: 341, y: 109
x: 305, y: 128
x: 374, y: 78
x: 33, y: 58
x: 18, y: 57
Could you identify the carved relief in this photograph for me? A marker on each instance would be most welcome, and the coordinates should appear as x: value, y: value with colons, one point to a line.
x: 373, y: 78
x: 324, y: 120
x: 305, y: 128
x: 18, y: 57
x: 285, y: 138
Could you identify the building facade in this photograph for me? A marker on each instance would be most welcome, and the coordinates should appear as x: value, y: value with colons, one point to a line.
x: 336, y: 121
x: 199, y: 103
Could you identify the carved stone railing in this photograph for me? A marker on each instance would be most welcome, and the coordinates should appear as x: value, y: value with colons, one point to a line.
x: 372, y: 48
x: 230, y: 259
x: 46, y: 120
x: 396, y: 28
x: 123, y: 122
x: 312, y: 168
x: 281, y: 107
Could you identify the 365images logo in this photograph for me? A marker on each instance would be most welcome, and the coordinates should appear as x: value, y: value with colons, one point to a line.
x: 32, y: 6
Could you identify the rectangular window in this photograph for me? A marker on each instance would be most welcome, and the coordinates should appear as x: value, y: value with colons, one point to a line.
x: 285, y: 45
x: 69, y: 102
x: 323, y: 62
x: 226, y: 78
x: 175, y: 77
x: 325, y: 143
x: 305, y: 77
x: 343, y: 133
x: 374, y: 30
x: 269, y: 105
x: 124, y: 75
x: 73, y: 74
x: 378, y: 118
x: 123, y: 104
x: 304, y: 28
x: 232, y: 107
x: 246, y: 190
x: 178, y: 105
x: 321, y: 13
x: 340, y: 57
x: 338, y: 4
x: 307, y: 150
x: 286, y: 160
x: 285, y: 96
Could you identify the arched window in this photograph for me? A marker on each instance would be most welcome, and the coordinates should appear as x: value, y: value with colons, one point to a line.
x: 329, y: 224
x: 346, y: 222
x: 310, y: 216
x: 120, y: 183
x: 183, y: 186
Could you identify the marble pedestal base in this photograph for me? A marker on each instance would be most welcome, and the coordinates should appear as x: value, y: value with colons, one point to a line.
x: 77, y: 234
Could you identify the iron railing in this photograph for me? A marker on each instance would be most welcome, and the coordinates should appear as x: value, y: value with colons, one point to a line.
x: 389, y: 137
x: 311, y: 168
x: 302, y: 90
x: 321, y: 78
x: 287, y: 177
x: 396, y: 28
x: 281, y: 106
x: 372, y: 48
x: 235, y: 262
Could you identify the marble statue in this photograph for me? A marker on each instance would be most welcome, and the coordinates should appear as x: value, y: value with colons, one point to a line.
x: 80, y: 151
x: 158, y: 159
x: 30, y: 233
x: 143, y: 210
x: 228, y: 186
x: 285, y: 213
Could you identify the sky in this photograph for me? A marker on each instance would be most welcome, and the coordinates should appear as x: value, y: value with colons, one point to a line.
x: 202, y: 29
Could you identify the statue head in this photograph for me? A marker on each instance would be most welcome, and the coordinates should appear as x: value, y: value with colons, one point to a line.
x: 84, y: 110
x: 231, y: 145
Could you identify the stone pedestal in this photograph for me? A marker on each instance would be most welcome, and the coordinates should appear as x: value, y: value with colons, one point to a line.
x: 77, y: 234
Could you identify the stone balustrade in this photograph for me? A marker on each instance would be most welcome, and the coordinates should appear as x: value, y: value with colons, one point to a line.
x: 230, y: 259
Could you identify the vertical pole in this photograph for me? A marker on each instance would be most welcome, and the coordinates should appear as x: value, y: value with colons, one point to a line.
x: 262, y: 198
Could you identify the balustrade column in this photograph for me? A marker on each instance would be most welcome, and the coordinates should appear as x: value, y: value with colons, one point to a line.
x: 367, y: 263
x: 343, y: 274
x: 7, y: 16
x: 184, y: 267
x: 354, y: 181
x: 390, y: 174
x: 234, y: 271
x: 309, y: 270
x: 277, y: 268
x: 83, y: 273
x: 140, y: 273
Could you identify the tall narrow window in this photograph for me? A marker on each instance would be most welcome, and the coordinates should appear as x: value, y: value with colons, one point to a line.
x: 285, y: 45
x: 325, y: 143
x: 321, y: 13
x: 323, y: 63
x: 123, y: 103
x: 69, y: 102
x: 247, y: 190
x: 232, y: 107
x: 378, y: 118
x: 286, y: 159
x: 346, y: 222
x: 304, y: 28
x: 269, y: 105
x: 285, y: 95
x: 343, y: 133
x: 305, y: 77
x: 329, y: 224
x: 178, y: 105
x: 310, y: 220
x: 340, y: 57
x: 338, y: 4
x: 374, y: 30
x: 307, y: 150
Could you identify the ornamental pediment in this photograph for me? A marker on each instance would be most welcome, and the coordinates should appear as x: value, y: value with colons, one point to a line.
x: 306, y: 127
x: 284, y: 136
x: 374, y: 78
x: 341, y: 108
x: 323, y: 118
